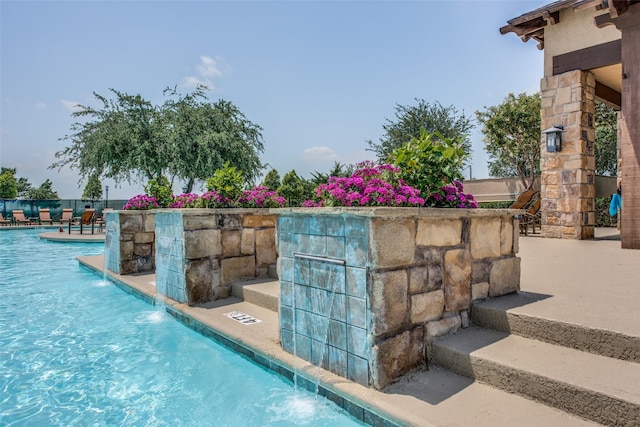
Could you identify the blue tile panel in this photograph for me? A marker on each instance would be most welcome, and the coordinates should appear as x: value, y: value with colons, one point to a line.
x: 112, y: 243
x: 323, y: 305
x: 170, y: 280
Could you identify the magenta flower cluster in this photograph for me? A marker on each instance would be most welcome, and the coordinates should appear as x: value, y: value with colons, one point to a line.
x: 370, y: 185
x: 141, y: 202
x: 261, y: 197
x: 452, y: 196
x: 258, y: 197
x: 185, y: 200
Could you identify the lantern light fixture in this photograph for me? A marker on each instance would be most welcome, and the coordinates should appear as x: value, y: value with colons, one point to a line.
x: 553, y: 137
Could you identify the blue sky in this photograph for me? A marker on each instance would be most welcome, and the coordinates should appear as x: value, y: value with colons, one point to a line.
x: 320, y: 78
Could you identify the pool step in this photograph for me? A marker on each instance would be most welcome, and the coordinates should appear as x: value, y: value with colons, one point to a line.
x: 496, y: 314
x: 598, y: 388
x: 263, y: 293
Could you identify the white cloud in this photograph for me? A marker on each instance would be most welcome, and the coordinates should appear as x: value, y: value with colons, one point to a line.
x: 191, y: 82
x: 320, y: 154
x: 208, y: 69
x: 72, y: 106
x: 40, y: 105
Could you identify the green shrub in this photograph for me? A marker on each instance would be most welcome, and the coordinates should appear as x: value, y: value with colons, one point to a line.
x: 227, y: 182
x: 160, y: 189
x: 495, y: 205
x: 429, y: 162
x: 603, y: 219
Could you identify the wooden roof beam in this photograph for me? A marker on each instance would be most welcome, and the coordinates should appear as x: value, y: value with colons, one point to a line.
x: 618, y: 7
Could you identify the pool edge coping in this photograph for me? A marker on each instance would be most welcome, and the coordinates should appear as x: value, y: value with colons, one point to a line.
x: 329, y: 384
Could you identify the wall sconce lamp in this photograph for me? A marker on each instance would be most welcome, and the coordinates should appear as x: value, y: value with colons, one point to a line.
x: 554, y: 138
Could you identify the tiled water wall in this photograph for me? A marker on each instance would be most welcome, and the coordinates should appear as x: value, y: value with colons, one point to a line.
x: 201, y: 252
x: 387, y: 281
x: 323, y: 300
x: 130, y: 242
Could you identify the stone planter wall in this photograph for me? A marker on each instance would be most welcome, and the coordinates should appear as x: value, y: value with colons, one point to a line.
x: 130, y: 242
x: 365, y: 290
x: 201, y: 252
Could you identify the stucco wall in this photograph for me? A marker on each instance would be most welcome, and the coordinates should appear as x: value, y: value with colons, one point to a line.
x: 576, y: 30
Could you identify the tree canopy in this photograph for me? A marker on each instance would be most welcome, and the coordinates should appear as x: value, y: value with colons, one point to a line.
x: 272, y: 180
x: 44, y: 192
x: 606, y: 146
x: 411, y: 119
x: 8, y: 184
x: 512, y: 137
x: 186, y: 137
x: 93, y: 189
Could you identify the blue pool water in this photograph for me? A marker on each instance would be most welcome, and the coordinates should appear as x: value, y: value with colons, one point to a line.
x: 75, y: 350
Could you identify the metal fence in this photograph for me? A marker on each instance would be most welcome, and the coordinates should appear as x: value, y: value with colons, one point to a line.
x: 31, y: 208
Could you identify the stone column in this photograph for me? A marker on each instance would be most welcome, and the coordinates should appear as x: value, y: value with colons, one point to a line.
x: 568, y: 176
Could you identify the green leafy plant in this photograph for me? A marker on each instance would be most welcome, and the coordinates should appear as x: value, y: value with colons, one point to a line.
x: 160, y: 189
x: 227, y: 182
x: 429, y: 162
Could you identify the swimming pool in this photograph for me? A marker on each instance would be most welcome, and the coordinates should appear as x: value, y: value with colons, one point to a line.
x: 75, y: 350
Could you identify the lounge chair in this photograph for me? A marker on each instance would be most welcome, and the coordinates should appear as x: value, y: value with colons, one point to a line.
x: 531, y: 217
x: 524, y: 199
x: 4, y: 221
x: 18, y: 216
x: 88, y: 217
x: 45, y: 216
x: 67, y: 216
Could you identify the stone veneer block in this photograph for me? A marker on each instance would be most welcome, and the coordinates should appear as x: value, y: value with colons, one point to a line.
x: 479, y: 291
x: 389, y: 300
x: 231, y: 240
x: 418, y: 279
x: 439, y: 232
x: 392, y: 242
x: 142, y: 250
x: 202, y: 243
x: 457, y: 279
x: 427, y: 306
x: 131, y: 223
x: 149, y: 222
x: 198, y: 281
x: 126, y: 250
x: 248, y: 241
x: 259, y: 221
x: 238, y: 268
x: 505, y: 276
x: 485, y: 238
x: 396, y: 356
x: 506, y: 237
x: 438, y: 328
x: 199, y: 222
x: 144, y: 237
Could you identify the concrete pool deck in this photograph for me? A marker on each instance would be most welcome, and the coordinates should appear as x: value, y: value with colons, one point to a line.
x: 592, y: 284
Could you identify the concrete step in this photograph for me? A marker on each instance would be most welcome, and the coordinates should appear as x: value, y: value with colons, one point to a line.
x: 503, y: 314
x: 597, y: 388
x: 263, y: 293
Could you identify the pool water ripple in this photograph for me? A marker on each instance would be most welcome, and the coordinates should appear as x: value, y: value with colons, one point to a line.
x: 75, y: 351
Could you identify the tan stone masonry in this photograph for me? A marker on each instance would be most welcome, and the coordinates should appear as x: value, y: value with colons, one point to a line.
x: 568, y: 176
